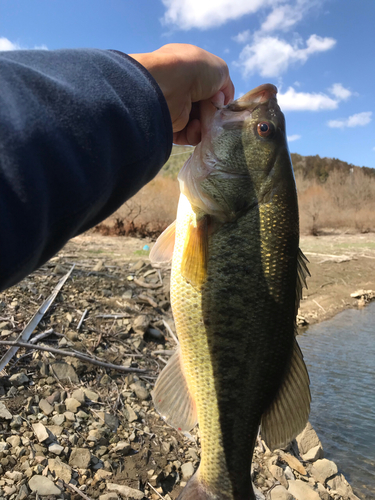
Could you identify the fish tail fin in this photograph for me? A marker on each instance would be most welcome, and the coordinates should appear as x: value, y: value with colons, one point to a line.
x: 196, y: 490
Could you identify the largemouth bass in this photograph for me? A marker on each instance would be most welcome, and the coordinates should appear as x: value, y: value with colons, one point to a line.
x: 237, y: 276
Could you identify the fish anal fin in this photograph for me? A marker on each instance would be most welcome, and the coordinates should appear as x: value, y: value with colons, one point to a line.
x: 172, y: 398
x: 162, y: 251
x: 195, y: 254
x: 288, y: 413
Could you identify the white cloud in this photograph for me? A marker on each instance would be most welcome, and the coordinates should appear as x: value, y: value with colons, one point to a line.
x: 305, y: 101
x: 357, y: 120
x: 271, y: 56
x: 242, y: 37
x: 6, y: 44
x: 294, y: 137
x: 203, y: 14
x: 340, y: 92
x: 282, y: 18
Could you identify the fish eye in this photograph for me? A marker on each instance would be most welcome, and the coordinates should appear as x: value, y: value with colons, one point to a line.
x: 265, y: 129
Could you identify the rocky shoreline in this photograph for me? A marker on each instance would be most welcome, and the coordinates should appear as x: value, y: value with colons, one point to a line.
x: 72, y: 430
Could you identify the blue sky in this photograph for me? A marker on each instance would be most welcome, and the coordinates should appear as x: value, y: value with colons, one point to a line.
x: 319, y: 53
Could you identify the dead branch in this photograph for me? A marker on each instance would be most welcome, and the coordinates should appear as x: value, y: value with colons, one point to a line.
x: 146, y: 285
x: 82, y: 357
x: 35, y: 320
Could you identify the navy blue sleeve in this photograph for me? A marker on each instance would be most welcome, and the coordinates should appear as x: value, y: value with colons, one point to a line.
x: 81, y: 131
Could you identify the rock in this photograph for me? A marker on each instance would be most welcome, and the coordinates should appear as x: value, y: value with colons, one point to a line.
x: 54, y: 397
x: 258, y: 494
x: 23, y: 492
x: 140, y: 390
x: 101, y: 474
x: 109, y: 496
x: 81, y: 414
x: 19, y: 379
x: 55, y: 448
x: 43, y: 486
x: 80, y: 458
x: 126, y: 491
x: 65, y: 372
x: 112, y: 421
x: 340, y: 485
x: 16, y: 422
x: 15, y: 476
x: 279, y: 475
x: 141, y: 323
x: 69, y: 415
x: 293, y: 462
x: 46, y: 408
x: 122, y: 448
x: 9, y: 490
x: 302, y: 491
x: 60, y: 469
x: 72, y: 335
x: 40, y: 432
x: 130, y: 414
x: 99, y: 266
x: 323, y: 469
x: 4, y: 413
x: 289, y: 473
x: 79, y: 395
x: 280, y: 493
x: 93, y: 396
x: 166, y: 447
x: 323, y: 493
x: 58, y: 419
x: 3, y: 446
x: 72, y: 405
x: 313, y: 454
x: 187, y: 470
x: 14, y: 441
x: 307, y: 439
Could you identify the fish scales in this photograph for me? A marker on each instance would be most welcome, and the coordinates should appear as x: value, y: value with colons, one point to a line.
x: 236, y: 328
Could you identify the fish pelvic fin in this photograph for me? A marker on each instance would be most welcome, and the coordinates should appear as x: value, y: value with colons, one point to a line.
x: 172, y: 398
x: 163, y: 249
x: 288, y: 413
x: 195, y: 254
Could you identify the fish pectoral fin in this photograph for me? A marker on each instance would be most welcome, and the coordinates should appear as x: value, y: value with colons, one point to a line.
x: 288, y: 413
x: 172, y: 398
x: 162, y: 251
x: 195, y: 254
x: 302, y: 273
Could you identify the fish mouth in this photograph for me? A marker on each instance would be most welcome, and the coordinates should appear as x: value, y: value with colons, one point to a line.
x: 253, y: 98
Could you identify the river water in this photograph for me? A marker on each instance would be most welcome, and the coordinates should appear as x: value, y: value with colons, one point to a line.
x: 340, y: 356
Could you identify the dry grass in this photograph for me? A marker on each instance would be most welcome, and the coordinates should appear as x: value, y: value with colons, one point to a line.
x: 148, y: 213
x: 345, y: 201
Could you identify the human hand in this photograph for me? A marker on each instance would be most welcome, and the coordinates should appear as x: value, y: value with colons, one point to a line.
x: 187, y: 75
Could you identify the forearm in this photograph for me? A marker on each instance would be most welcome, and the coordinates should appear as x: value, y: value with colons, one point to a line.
x: 81, y: 132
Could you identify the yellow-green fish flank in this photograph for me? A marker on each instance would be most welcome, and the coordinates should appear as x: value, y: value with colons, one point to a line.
x: 237, y: 274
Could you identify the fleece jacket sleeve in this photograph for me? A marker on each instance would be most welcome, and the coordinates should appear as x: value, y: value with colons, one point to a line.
x: 81, y: 131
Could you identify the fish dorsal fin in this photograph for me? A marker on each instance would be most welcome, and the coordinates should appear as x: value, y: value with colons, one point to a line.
x: 195, y: 254
x: 302, y: 273
x: 288, y: 413
x: 162, y: 251
x: 172, y: 398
